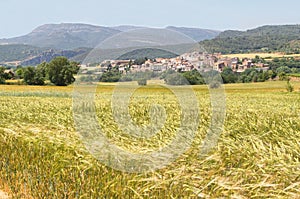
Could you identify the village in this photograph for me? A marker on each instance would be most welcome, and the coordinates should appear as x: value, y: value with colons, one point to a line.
x: 186, y: 62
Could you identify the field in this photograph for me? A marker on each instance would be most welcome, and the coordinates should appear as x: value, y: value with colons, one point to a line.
x: 262, y: 55
x: 257, y: 155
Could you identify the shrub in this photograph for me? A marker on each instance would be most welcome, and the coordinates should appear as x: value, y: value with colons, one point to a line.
x: 176, y: 79
x: 142, y: 82
x: 289, y: 86
x: 214, y: 85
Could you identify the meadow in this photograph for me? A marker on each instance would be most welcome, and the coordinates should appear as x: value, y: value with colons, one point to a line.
x: 257, y: 155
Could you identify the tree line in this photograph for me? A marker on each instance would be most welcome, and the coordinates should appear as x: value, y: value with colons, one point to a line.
x: 60, y: 71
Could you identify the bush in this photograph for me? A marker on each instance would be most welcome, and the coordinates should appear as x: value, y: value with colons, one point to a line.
x: 125, y: 79
x: 176, y: 79
x: 289, y: 86
x: 214, y: 85
x: 2, y: 80
x: 194, y: 77
x: 142, y: 82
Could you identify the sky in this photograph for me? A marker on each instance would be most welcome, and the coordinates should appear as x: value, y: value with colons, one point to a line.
x: 19, y: 17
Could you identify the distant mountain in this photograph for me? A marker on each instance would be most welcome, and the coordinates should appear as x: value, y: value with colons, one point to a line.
x: 196, y: 33
x: 283, y: 38
x: 64, y: 36
x: 125, y: 28
x: 268, y: 30
x: 18, y: 52
x: 30, y: 55
x: 68, y: 36
x: 47, y: 56
x: 74, y: 41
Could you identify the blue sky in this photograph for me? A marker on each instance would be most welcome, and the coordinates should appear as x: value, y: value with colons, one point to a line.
x: 19, y: 17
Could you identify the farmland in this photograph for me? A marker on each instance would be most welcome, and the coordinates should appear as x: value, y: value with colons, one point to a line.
x: 257, y: 156
x: 262, y: 55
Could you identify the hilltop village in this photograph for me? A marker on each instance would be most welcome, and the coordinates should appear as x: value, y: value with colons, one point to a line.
x: 183, y: 63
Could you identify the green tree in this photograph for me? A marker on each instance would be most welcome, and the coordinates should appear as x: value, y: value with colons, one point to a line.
x: 283, y: 69
x: 60, y: 71
x: 228, y: 76
x: 164, y: 74
x: 43, y: 69
x: 272, y: 74
x: 194, y: 77
x: 20, y: 73
x: 2, y: 79
x: 29, y: 73
x: 33, y: 76
x: 176, y: 79
x: 282, y: 76
x: 113, y: 75
x: 140, y: 61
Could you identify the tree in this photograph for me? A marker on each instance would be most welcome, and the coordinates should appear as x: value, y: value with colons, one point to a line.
x: 113, y: 75
x: 283, y: 69
x: 228, y: 76
x: 194, y: 77
x: 272, y: 74
x: 176, y: 79
x: 140, y: 61
x: 282, y: 76
x: 33, y: 76
x: 2, y: 79
x: 28, y: 75
x: 60, y: 71
x: 20, y: 73
x: 42, y: 69
x: 164, y: 74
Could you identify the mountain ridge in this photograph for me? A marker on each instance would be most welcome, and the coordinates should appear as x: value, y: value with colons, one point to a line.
x: 66, y: 36
x: 64, y: 39
x: 261, y: 39
x: 75, y: 40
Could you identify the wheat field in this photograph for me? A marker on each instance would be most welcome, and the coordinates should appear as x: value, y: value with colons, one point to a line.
x: 257, y: 155
x: 262, y: 55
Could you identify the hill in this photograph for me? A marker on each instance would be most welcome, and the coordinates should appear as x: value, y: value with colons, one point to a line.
x: 196, y: 34
x: 125, y: 28
x: 27, y: 55
x: 47, y: 56
x: 15, y: 52
x: 68, y: 36
x: 150, y: 53
x: 74, y: 41
x: 64, y: 36
x: 284, y: 38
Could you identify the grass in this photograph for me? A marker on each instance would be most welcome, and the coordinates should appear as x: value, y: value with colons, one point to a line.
x: 257, y: 156
x: 294, y: 75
